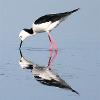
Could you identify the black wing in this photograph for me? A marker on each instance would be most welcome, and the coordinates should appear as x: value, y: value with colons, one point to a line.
x: 47, y: 18
x: 53, y: 17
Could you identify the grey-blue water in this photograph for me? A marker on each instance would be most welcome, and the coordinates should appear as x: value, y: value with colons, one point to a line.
x: 78, y: 59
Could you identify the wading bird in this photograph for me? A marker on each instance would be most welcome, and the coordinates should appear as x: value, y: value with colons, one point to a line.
x: 45, y: 23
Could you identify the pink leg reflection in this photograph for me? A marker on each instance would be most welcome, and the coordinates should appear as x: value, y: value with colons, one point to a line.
x: 52, y: 57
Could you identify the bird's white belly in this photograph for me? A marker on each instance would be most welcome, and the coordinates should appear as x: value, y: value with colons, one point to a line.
x: 53, y: 25
x: 44, y: 27
x: 41, y: 27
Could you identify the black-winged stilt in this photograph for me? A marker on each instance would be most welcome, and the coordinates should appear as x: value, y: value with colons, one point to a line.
x: 45, y: 24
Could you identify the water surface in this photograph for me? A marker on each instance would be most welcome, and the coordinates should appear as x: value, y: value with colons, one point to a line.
x: 77, y: 61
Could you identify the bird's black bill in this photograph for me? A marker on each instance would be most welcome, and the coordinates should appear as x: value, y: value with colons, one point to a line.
x: 21, y: 44
x: 20, y: 53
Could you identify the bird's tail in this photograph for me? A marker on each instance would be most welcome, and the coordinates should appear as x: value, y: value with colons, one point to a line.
x: 70, y: 12
x: 65, y: 14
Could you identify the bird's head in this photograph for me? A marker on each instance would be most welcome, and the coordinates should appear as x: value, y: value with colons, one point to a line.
x: 24, y: 34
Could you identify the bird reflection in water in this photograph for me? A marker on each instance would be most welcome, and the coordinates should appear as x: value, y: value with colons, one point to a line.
x: 45, y: 74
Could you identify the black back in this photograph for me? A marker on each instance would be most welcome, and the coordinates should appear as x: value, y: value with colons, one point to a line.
x: 30, y: 31
x: 53, y: 17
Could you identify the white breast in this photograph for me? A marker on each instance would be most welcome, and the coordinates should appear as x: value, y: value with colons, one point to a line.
x: 41, y: 27
x: 44, y: 27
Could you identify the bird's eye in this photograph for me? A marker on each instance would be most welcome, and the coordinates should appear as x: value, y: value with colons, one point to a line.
x: 20, y: 36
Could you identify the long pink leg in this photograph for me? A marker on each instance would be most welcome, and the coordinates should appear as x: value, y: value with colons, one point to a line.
x: 53, y: 43
x: 51, y: 47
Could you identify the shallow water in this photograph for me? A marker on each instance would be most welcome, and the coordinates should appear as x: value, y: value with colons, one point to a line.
x: 79, y: 67
x: 77, y: 61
